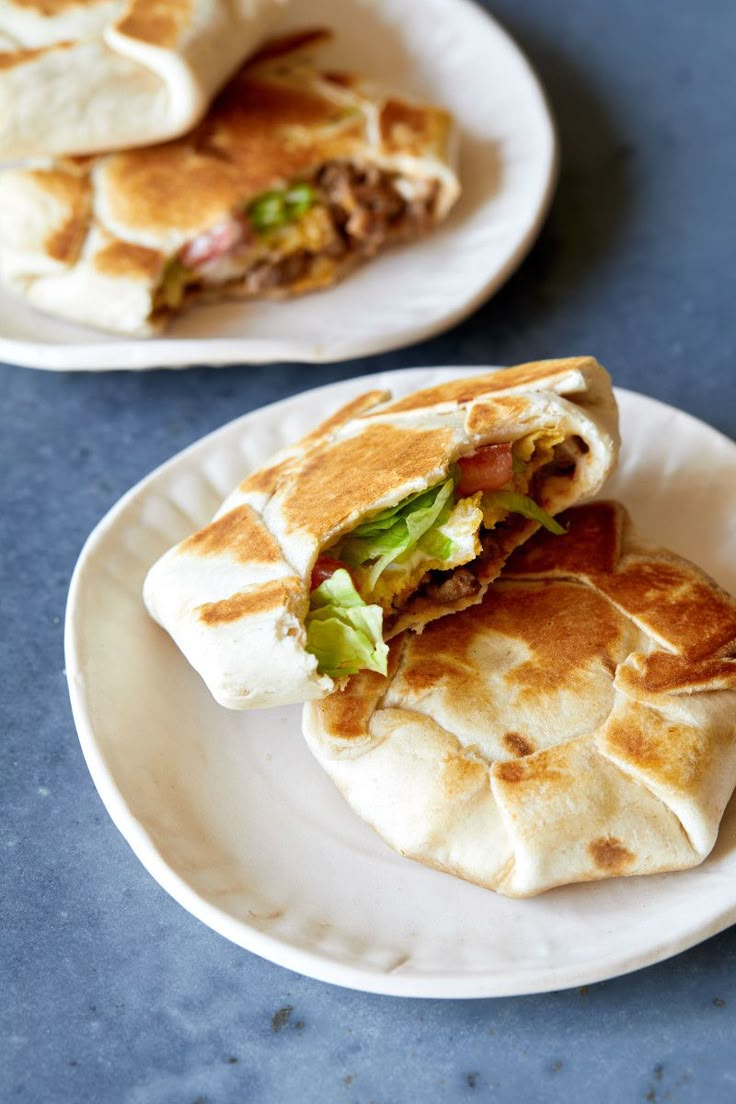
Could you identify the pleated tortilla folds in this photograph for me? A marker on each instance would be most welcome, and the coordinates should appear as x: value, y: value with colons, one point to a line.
x: 81, y: 76
x: 293, y: 177
x: 579, y: 724
x: 235, y: 595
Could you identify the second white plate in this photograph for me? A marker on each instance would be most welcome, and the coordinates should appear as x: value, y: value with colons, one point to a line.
x: 454, y: 55
x: 233, y: 817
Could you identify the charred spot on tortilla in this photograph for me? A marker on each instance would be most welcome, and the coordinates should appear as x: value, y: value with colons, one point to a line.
x: 157, y: 24
x: 240, y: 534
x: 517, y: 744
x: 252, y: 602
x: 610, y: 855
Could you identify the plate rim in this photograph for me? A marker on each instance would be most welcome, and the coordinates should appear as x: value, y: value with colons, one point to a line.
x: 118, y: 353
x: 426, y: 985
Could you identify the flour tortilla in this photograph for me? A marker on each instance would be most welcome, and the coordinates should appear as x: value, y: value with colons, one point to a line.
x: 234, y: 595
x: 81, y: 76
x: 125, y: 241
x: 579, y: 724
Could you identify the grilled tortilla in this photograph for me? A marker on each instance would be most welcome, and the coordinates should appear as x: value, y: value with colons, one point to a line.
x: 293, y: 177
x: 579, y: 724
x: 366, y: 527
x: 81, y: 76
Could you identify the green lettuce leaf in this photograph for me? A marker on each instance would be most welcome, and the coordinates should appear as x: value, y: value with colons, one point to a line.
x: 521, y: 504
x: 273, y: 209
x: 344, y: 633
x: 395, y: 532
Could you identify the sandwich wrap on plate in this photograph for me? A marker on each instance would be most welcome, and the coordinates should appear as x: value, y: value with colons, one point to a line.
x: 81, y: 76
x: 293, y: 177
x: 579, y: 724
x: 387, y: 516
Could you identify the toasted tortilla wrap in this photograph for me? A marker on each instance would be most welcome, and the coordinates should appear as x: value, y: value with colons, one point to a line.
x: 366, y: 527
x: 82, y: 76
x: 579, y: 724
x: 294, y: 176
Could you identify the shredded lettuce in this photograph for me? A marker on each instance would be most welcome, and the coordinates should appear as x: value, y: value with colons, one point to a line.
x: 271, y: 210
x: 398, y: 530
x: 344, y: 633
x: 516, y: 503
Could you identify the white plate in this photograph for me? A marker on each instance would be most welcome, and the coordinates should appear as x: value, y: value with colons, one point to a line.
x: 233, y: 817
x: 449, y: 52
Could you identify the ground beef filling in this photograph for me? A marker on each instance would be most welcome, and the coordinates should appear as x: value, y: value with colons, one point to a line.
x: 366, y: 212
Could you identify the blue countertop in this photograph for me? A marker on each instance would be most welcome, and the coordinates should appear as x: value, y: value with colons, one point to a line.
x: 112, y: 993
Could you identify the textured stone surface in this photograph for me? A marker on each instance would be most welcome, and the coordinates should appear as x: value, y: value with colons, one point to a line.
x: 110, y: 991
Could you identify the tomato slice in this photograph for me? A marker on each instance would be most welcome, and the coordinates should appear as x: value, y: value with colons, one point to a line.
x: 325, y: 568
x: 486, y: 469
x: 212, y: 244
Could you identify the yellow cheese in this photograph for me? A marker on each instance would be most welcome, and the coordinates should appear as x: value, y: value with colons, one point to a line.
x: 402, y: 577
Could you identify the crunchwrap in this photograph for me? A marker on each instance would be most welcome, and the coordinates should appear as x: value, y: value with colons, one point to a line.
x: 293, y: 177
x: 386, y: 517
x: 579, y: 724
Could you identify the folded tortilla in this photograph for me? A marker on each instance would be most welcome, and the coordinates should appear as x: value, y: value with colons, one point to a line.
x: 82, y: 76
x: 237, y: 597
x: 579, y: 724
x: 293, y: 177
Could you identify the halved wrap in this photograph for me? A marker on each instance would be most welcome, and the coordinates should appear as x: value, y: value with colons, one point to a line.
x: 293, y: 177
x: 81, y: 76
x: 384, y: 518
x: 579, y: 724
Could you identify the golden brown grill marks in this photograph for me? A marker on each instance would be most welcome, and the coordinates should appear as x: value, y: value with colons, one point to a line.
x: 50, y: 8
x: 72, y: 191
x: 124, y: 260
x: 264, y: 134
x: 266, y: 480
x: 462, y: 775
x: 239, y: 534
x: 610, y: 855
x: 538, y: 768
x: 662, y: 673
x: 496, y: 414
x: 676, y: 602
x: 157, y: 22
x: 10, y: 58
x: 280, y: 593
x: 540, y: 616
x: 352, y: 409
x: 343, y: 479
x: 590, y: 547
x: 408, y: 129
x: 466, y: 390
x: 675, y: 755
x: 425, y: 670
x: 348, y: 711
x: 558, y: 655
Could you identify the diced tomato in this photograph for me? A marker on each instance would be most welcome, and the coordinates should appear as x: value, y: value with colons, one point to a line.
x: 325, y: 568
x: 486, y: 469
x: 214, y: 243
